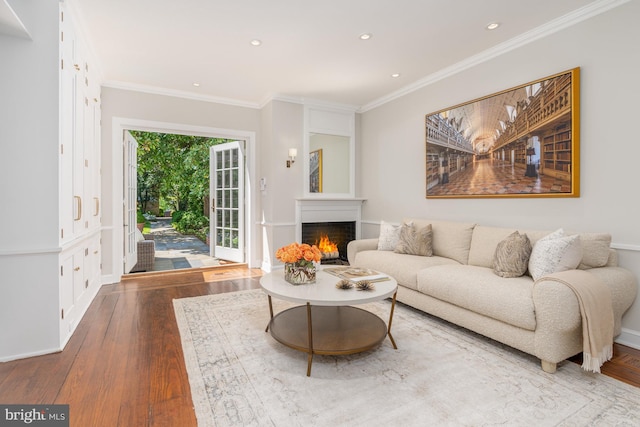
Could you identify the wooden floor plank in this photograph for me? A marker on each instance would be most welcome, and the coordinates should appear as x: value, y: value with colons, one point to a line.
x: 124, y: 365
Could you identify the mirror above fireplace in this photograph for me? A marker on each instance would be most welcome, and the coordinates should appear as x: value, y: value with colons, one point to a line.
x: 329, y: 151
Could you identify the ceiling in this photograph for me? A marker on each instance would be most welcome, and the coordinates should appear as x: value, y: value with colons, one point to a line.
x: 310, y: 50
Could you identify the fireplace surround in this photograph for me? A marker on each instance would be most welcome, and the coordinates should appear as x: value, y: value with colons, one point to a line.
x: 339, y: 219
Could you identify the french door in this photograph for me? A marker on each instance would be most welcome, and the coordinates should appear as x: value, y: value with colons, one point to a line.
x: 226, y: 222
x: 130, y: 201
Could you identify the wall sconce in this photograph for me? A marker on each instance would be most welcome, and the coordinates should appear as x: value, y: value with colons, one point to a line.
x: 292, y: 156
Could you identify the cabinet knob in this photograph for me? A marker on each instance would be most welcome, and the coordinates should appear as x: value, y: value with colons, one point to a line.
x: 76, y: 269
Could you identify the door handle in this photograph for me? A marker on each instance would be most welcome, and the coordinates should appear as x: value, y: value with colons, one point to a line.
x: 213, y: 205
x: 78, y: 200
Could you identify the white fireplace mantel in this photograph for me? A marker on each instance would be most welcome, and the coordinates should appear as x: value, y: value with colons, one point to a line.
x: 328, y: 210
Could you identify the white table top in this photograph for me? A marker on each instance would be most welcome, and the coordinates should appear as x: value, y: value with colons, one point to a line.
x: 324, y: 291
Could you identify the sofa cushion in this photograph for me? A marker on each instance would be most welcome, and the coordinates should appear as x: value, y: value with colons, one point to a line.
x: 389, y: 236
x: 595, y: 250
x: 512, y: 255
x: 595, y: 246
x: 485, y: 241
x: 450, y: 239
x: 478, y: 289
x: 554, y: 253
x: 414, y: 240
x: 404, y: 268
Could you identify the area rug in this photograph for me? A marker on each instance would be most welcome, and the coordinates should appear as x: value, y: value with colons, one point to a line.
x: 439, y: 375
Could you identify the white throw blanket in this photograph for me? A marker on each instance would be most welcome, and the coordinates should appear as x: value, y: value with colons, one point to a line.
x: 596, y: 312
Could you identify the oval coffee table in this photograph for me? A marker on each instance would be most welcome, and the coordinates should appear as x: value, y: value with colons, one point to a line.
x: 327, y: 323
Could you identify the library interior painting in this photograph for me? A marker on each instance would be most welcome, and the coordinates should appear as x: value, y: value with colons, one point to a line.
x: 522, y: 142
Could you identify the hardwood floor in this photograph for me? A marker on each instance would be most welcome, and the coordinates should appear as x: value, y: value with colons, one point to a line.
x: 124, y: 364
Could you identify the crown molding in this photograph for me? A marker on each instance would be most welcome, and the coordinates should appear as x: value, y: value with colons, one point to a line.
x: 10, y: 22
x: 553, y: 26
x: 178, y: 94
x: 311, y: 102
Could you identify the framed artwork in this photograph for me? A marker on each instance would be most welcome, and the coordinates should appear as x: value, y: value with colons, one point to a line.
x: 520, y: 142
x: 315, y: 171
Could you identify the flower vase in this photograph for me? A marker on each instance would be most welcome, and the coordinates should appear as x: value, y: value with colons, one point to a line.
x: 298, y: 274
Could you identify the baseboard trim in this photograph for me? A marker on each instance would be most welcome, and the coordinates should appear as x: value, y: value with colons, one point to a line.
x: 109, y: 279
x: 630, y: 338
x: 30, y: 354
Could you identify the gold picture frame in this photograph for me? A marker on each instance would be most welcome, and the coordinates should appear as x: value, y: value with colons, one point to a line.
x: 315, y: 171
x: 520, y: 142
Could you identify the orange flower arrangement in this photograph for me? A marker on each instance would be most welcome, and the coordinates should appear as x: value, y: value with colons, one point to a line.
x: 300, y: 253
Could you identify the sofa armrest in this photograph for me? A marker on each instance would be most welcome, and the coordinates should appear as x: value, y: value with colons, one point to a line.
x: 558, y: 321
x: 356, y: 246
x: 624, y: 289
x: 555, y: 304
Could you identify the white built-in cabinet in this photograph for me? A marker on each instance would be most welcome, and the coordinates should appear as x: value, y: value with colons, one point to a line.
x: 79, y: 177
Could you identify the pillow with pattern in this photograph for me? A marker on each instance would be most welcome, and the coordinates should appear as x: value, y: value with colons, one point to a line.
x: 415, y: 241
x: 511, y: 257
x: 389, y: 236
x: 553, y: 253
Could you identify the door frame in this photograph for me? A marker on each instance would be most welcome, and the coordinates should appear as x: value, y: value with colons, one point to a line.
x: 113, y: 245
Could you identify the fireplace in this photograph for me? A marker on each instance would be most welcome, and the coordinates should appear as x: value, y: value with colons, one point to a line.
x: 338, y: 219
x: 332, y: 239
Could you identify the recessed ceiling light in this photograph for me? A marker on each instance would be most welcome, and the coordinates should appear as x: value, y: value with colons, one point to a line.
x: 256, y: 42
x: 394, y: 75
x: 365, y: 36
x: 196, y: 84
x: 493, y: 26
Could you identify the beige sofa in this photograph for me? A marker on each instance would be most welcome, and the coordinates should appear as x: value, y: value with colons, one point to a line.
x: 458, y: 284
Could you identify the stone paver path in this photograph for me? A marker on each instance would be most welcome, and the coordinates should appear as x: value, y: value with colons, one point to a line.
x: 175, y: 250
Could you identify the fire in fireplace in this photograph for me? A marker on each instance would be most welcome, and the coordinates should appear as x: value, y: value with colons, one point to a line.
x: 331, y: 238
x: 328, y: 248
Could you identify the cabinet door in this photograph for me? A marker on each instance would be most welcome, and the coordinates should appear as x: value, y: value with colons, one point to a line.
x: 78, y: 151
x: 92, y: 161
x: 80, y: 136
x: 78, y: 275
x: 92, y: 263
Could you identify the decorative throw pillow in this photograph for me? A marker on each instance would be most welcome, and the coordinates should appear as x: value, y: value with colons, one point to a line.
x: 389, y: 236
x: 595, y: 250
x: 512, y: 255
x: 553, y: 253
x: 415, y: 241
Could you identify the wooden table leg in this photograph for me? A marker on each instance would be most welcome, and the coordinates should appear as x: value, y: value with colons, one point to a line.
x: 393, y: 306
x: 310, y: 332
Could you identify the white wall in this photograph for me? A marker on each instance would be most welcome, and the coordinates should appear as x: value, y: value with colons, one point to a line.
x: 29, y: 145
x: 29, y: 131
x: 392, y: 155
x: 282, y: 129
